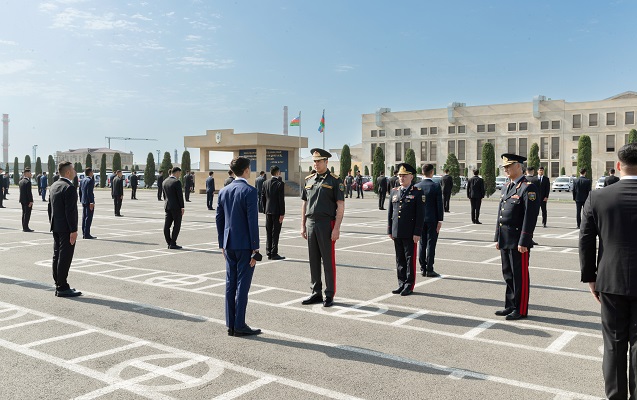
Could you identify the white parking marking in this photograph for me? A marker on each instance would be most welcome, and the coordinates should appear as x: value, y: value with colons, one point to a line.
x: 240, y: 391
x: 479, y: 329
x: 409, y: 317
x: 58, y: 338
x: 559, y: 343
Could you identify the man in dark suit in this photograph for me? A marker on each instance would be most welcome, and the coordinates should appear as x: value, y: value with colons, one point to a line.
x: 544, y: 188
x: 433, y: 217
x: 610, y: 179
x: 2, y: 188
x: 238, y: 235
x: 258, y: 183
x: 134, y: 182
x: 117, y: 191
x: 273, y: 200
x: 517, y: 216
x: 44, y: 183
x: 160, y: 185
x: 210, y: 190
x: 447, y: 185
x: 405, y: 217
x: 612, y: 273
x: 174, y: 207
x: 26, y: 199
x: 7, y: 183
x: 37, y: 181
x: 188, y: 184
x: 63, y: 217
x: 581, y: 188
x: 381, y: 184
x: 359, y: 185
x: 56, y: 176
x: 393, y: 181
x: 475, y: 194
x: 88, y: 202
x: 349, y: 181
x: 229, y: 179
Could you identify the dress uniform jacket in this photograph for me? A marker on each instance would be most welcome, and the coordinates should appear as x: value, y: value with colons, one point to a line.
x: 406, y: 214
x: 321, y: 193
x: 517, y: 215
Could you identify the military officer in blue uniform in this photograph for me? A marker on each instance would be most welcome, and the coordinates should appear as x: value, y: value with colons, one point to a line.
x: 517, y: 216
x: 406, y: 217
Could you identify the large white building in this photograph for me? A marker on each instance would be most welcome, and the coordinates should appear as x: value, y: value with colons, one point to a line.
x: 555, y: 125
x: 79, y: 155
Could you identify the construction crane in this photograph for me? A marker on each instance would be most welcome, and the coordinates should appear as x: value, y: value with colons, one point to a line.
x: 124, y: 138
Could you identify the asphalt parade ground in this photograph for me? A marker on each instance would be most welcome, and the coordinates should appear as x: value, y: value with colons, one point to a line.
x: 151, y: 322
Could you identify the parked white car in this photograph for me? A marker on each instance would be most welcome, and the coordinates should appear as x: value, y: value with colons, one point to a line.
x: 500, y: 181
x: 600, y: 182
x: 563, y: 183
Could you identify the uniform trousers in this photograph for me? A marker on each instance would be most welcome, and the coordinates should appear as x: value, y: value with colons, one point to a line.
x: 117, y: 200
x: 44, y: 194
x: 173, y: 218
x: 62, y: 257
x: 359, y: 191
x: 321, y: 248
x: 475, y: 209
x: 428, y: 241
x: 406, y: 261
x: 159, y: 192
x: 619, y: 318
x: 133, y: 193
x: 543, y: 207
x: 446, y: 199
x: 272, y: 232
x: 515, y: 270
x: 26, y: 216
x: 578, y: 216
x: 209, y: 199
x: 187, y: 193
x: 381, y: 199
x: 238, y: 281
x: 87, y: 220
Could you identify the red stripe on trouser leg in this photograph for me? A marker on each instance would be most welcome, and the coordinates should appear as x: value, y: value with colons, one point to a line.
x: 334, y: 260
x: 524, y: 298
x: 413, y: 266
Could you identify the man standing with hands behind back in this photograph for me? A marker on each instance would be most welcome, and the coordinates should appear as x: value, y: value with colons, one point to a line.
x: 447, y: 186
x: 581, y: 188
x: 174, y: 207
x: 118, y: 192
x: 544, y: 188
x: 273, y: 200
x: 88, y: 202
x: 26, y: 199
x: 432, y: 221
x: 237, y: 222
x: 210, y: 190
x: 475, y: 193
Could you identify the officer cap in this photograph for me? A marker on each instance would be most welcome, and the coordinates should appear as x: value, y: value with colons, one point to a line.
x: 320, y: 154
x: 27, y: 169
x: 405, y: 169
x: 509, y: 159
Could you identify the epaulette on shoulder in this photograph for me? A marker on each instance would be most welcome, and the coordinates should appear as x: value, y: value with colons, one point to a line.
x: 418, y: 188
x: 309, y: 176
x: 334, y: 175
x: 529, y: 183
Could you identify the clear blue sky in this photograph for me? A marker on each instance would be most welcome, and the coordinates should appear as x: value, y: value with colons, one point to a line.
x: 74, y: 71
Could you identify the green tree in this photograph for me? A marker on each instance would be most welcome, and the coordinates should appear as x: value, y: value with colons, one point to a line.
x: 27, y: 162
x: 332, y: 169
x: 103, y: 171
x: 149, y: 171
x: 584, y: 156
x: 136, y: 168
x: 466, y: 172
x: 410, y: 157
x: 50, y: 164
x: 309, y: 169
x: 117, y: 162
x: 419, y: 170
x: 166, y: 164
x: 125, y: 168
x: 38, y: 166
x: 185, y: 164
x: 378, y: 166
x: 632, y: 136
x: 355, y: 169
x: 487, y: 169
x: 534, y: 157
x: 392, y: 170
x: 16, y: 171
x: 563, y: 171
x: 89, y: 161
x: 454, y: 170
x: 346, y: 161
x: 366, y: 171
x: 78, y: 167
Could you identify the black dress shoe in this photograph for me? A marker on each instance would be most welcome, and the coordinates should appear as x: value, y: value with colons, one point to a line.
x: 406, y: 292
x: 432, y: 274
x: 175, y: 247
x: 515, y: 315
x: 313, y: 299
x: 329, y: 302
x: 276, y: 257
x: 478, y: 222
x: 247, y: 331
x: 230, y: 332
x: 27, y: 230
x: 423, y: 273
x: 398, y: 290
x: 506, y: 311
x: 90, y: 237
x: 67, y: 293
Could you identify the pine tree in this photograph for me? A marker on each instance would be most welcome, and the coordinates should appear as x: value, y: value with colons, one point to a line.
x: 27, y: 162
x: 366, y: 171
x: 584, y: 156
x: 149, y: 171
x: 309, y: 169
x: 419, y: 170
x: 378, y: 166
x: 38, y: 166
x: 563, y: 171
x: 355, y: 169
x: 50, y: 164
x: 185, y: 164
x: 332, y: 169
x: 103, y: 171
x: 346, y: 161
x: 487, y: 169
x: 454, y: 170
x: 410, y: 157
x: 89, y: 161
x: 534, y: 157
x: 632, y: 136
x: 16, y: 171
x: 125, y: 168
x: 117, y: 162
x: 166, y: 165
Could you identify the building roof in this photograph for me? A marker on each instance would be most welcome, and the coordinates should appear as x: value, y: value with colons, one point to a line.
x: 95, y: 150
x: 625, y: 95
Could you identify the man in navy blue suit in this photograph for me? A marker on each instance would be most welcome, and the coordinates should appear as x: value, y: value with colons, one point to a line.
x: 434, y: 214
x: 88, y: 203
x: 238, y: 229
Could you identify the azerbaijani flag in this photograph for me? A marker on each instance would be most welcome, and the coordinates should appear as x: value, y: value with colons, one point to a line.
x: 322, y: 124
x: 296, y: 121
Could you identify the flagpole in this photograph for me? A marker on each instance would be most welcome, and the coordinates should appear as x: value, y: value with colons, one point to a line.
x: 323, y: 129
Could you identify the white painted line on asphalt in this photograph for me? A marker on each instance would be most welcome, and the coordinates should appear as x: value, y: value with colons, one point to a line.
x: 113, y: 270
x: 299, y: 300
x: 108, y: 352
x: 490, y: 260
x: 21, y: 324
x: 364, y: 244
x: 479, y: 329
x: 240, y: 391
x: 260, y: 290
x: 409, y: 318
x: 58, y: 338
x: 146, y: 274
x: 199, y: 289
x: 576, y: 231
x: 559, y: 343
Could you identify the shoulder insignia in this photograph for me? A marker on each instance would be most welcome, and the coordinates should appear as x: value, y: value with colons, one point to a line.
x: 417, y: 188
x: 532, y: 196
x: 528, y: 183
x: 335, y: 176
x: 423, y: 198
x: 309, y: 176
x: 341, y: 187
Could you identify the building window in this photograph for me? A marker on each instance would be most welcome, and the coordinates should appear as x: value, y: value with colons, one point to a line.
x: 433, y: 151
x: 374, y: 133
x: 481, y: 128
x: 522, y: 144
x: 462, y: 129
x: 511, y: 146
x: 575, y: 163
x: 423, y: 131
x: 451, y: 129
x: 406, y: 146
x: 461, y: 150
x: 374, y: 145
x: 406, y: 132
x: 555, y: 124
x: 423, y: 151
x: 610, y: 119
x: 491, y: 128
x: 610, y: 142
x: 544, y: 125
x: 577, y: 121
x: 523, y: 126
x: 592, y: 119
x: 479, y: 146
x: 512, y: 127
x: 451, y: 147
x: 555, y: 147
x: 398, y: 132
x: 399, y: 151
x: 575, y: 151
x: 555, y: 169
x: 382, y: 147
x: 629, y: 118
x: 478, y: 166
x: 381, y: 133
x: 433, y: 130
x: 544, y: 148
x: 576, y: 138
